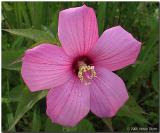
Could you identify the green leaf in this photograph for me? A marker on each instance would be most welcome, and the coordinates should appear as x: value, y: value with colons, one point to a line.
x: 148, y: 61
x: 18, y: 43
x: 36, y: 35
x: 28, y: 100
x: 10, y: 120
x: 149, y: 52
x: 52, y: 127
x: 83, y: 126
x: 132, y: 110
x: 36, y: 122
x: 38, y: 13
x: 152, y: 103
x: 155, y: 79
x: 11, y: 59
x: 154, y: 118
x: 101, y: 14
x: 14, y: 94
x: 9, y: 100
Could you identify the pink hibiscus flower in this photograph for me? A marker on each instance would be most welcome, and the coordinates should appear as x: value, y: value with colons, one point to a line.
x: 79, y: 74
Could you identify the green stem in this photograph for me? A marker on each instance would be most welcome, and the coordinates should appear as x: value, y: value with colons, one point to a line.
x: 108, y: 122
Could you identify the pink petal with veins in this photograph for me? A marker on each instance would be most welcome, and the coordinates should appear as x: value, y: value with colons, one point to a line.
x: 69, y: 103
x: 77, y: 30
x: 108, y: 93
x: 115, y: 49
x: 43, y: 67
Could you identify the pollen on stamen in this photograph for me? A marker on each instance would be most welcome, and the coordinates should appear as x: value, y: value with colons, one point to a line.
x: 86, y: 73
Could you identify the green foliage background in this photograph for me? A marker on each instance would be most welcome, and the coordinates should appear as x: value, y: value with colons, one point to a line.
x: 26, y: 24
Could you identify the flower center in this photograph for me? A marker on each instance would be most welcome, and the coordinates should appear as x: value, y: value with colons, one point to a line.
x: 86, y: 72
x: 83, y: 67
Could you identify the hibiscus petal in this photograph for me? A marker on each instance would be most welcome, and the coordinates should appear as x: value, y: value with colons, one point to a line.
x: 115, y: 49
x: 43, y: 67
x: 69, y: 103
x: 108, y: 93
x: 77, y: 30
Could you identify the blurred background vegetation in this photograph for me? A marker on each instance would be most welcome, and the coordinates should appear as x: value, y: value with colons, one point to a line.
x: 26, y: 24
